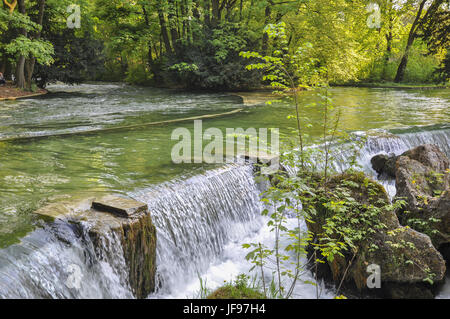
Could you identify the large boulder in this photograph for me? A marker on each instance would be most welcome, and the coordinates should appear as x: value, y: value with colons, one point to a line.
x: 354, y: 213
x: 429, y: 155
x: 102, y: 221
x: 423, y: 180
x: 384, y: 164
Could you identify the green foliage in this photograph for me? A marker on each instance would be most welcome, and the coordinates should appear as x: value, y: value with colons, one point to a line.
x: 153, y: 42
x: 17, y: 20
x: 213, y: 61
x: 23, y: 46
x: 301, y: 196
x: 204, y: 291
x: 421, y: 67
x: 137, y: 74
x: 75, y: 60
x: 241, y: 288
x: 443, y: 73
x: 349, y: 222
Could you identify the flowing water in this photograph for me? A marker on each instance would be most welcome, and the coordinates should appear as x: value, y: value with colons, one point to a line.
x: 203, y: 213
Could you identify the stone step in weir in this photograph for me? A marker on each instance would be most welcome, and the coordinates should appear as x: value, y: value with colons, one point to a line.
x: 124, y: 207
x: 130, y: 220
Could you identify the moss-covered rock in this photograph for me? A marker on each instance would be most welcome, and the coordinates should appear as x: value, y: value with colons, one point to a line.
x: 232, y: 292
x: 423, y: 180
x: 354, y: 225
x: 138, y: 239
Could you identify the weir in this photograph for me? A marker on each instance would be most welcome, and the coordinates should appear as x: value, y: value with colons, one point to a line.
x: 195, y: 220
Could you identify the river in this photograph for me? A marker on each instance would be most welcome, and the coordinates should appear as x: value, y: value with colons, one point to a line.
x: 203, y: 213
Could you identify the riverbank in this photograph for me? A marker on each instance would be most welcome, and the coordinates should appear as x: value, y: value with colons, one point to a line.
x: 393, y: 85
x: 9, y: 92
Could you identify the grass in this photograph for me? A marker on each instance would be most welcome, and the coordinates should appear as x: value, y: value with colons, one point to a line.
x: 233, y: 292
x: 239, y: 289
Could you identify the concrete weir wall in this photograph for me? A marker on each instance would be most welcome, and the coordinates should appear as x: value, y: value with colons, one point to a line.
x: 129, y: 220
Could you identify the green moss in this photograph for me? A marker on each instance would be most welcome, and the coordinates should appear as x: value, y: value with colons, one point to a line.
x: 239, y: 289
x: 139, y: 245
x: 236, y: 292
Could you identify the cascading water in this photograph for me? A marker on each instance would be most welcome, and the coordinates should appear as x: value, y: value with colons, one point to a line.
x: 397, y: 145
x: 197, y: 218
x: 201, y: 222
x: 59, y: 261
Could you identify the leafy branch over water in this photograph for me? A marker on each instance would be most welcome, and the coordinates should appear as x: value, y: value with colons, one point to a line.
x: 294, y: 197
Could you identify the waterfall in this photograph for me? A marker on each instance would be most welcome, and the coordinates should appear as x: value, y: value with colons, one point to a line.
x: 59, y: 261
x: 196, y: 218
x: 382, y: 143
x: 398, y: 144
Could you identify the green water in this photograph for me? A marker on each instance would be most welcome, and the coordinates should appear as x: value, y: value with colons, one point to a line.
x: 34, y: 170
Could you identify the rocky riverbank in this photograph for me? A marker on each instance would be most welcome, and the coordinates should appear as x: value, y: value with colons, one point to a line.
x: 407, y: 239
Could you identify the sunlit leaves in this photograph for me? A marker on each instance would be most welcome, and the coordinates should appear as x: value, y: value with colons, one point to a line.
x: 23, y: 46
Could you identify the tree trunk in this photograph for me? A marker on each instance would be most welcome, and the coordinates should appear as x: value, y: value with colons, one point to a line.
x: 215, y: 12
x: 20, y: 67
x: 164, y: 33
x: 265, y: 39
x: 388, y: 53
x: 147, y: 23
x: 173, y: 25
x: 32, y: 62
x: 241, y: 6
x: 207, y: 9
x: 412, y: 36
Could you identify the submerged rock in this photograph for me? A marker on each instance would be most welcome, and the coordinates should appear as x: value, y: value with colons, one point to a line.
x: 135, y: 230
x: 354, y: 213
x: 423, y: 180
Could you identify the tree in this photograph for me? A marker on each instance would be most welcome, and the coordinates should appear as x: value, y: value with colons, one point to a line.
x: 20, y: 40
x: 435, y: 30
x: 20, y: 68
x: 419, y: 21
x: 78, y: 55
x: 32, y: 61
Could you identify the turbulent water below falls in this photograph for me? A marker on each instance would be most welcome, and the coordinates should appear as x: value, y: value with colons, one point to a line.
x: 203, y: 214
